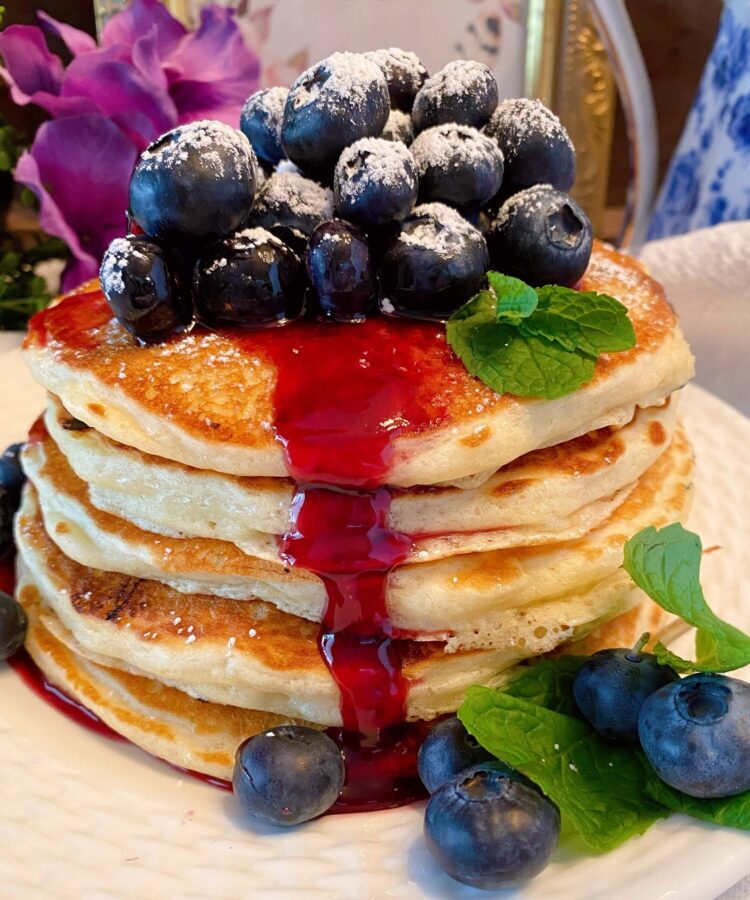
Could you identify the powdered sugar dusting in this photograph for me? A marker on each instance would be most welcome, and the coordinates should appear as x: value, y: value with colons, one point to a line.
x: 303, y: 195
x: 349, y: 77
x: 515, y: 119
x: 452, y: 146
x: 435, y: 226
x: 224, y: 150
x: 532, y: 199
x: 402, y: 68
x: 116, y: 259
x: 457, y: 78
x: 399, y: 127
x: 372, y: 161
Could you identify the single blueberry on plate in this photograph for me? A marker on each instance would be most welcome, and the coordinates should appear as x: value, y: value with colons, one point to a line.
x: 341, y: 271
x: 447, y: 750
x: 542, y: 236
x: 13, y: 625
x: 288, y: 775
x: 331, y: 105
x: 260, y: 122
x: 195, y: 182
x: 490, y: 830
x: 457, y: 165
x: 249, y: 280
x: 464, y: 91
x: 535, y: 145
x: 434, y: 264
x: 398, y: 127
x: 289, y: 199
x: 612, y: 685
x: 696, y: 734
x: 403, y: 72
x: 375, y: 182
x: 142, y: 286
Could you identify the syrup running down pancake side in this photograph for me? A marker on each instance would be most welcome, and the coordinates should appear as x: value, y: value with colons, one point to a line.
x: 343, y: 394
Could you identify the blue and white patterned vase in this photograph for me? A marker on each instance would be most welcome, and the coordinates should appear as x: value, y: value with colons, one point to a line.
x: 708, y: 180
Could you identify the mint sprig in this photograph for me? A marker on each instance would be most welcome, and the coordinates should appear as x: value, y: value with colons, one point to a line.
x: 665, y: 563
x: 537, y: 343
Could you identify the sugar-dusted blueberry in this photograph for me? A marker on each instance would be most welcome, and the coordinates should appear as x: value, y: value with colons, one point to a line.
x: 447, y: 750
x: 542, y: 236
x: 464, y: 91
x: 375, y: 182
x: 13, y: 625
x: 696, y: 734
x: 399, y: 127
x: 141, y: 283
x: 435, y: 263
x: 251, y: 279
x: 331, y: 105
x: 291, y: 200
x: 457, y: 165
x: 535, y: 145
x: 612, y: 685
x: 489, y: 829
x: 260, y: 122
x: 195, y: 182
x: 288, y: 775
x: 403, y: 72
x: 341, y: 271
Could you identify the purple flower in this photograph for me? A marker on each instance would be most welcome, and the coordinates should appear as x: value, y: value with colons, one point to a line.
x: 79, y: 168
x: 149, y: 74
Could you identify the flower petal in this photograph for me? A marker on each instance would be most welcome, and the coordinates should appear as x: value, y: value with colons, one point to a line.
x: 127, y: 26
x: 116, y: 86
x: 31, y: 68
x: 213, y: 71
x: 75, y: 40
x: 79, y: 168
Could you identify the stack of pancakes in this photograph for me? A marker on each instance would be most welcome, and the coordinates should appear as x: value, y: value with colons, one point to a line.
x: 149, y: 532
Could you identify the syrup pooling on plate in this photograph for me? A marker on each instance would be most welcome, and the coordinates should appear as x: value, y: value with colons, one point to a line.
x: 342, y: 395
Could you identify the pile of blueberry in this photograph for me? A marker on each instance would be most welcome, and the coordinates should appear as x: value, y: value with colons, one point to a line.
x: 367, y: 186
x: 485, y: 823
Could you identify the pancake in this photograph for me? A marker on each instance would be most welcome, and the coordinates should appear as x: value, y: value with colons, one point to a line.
x: 559, y: 493
x: 250, y: 654
x: 196, y: 734
x: 466, y: 599
x: 207, y: 399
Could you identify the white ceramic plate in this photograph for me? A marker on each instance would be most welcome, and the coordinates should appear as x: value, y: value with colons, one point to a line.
x: 86, y: 818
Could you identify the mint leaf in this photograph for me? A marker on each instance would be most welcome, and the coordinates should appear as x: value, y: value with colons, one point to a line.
x: 731, y: 811
x: 515, y: 299
x: 665, y: 563
x: 599, y: 786
x: 581, y: 320
x: 508, y: 361
x: 548, y: 683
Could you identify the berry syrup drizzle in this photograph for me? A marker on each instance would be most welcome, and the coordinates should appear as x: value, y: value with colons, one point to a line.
x: 343, y: 393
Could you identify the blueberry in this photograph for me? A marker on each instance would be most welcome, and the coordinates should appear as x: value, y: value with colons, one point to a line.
x: 142, y: 287
x: 341, y: 271
x: 612, y: 685
x: 331, y: 105
x: 291, y: 200
x: 535, y: 145
x: 457, y: 165
x: 260, y: 122
x: 195, y: 182
x: 464, y: 91
x: 13, y: 625
x: 696, y: 734
x: 292, y: 237
x: 542, y: 236
x: 375, y: 182
x: 288, y: 775
x: 398, y: 127
x: 435, y: 263
x: 447, y: 750
x: 251, y: 279
x: 403, y: 72
x: 489, y: 830
x: 12, y: 476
